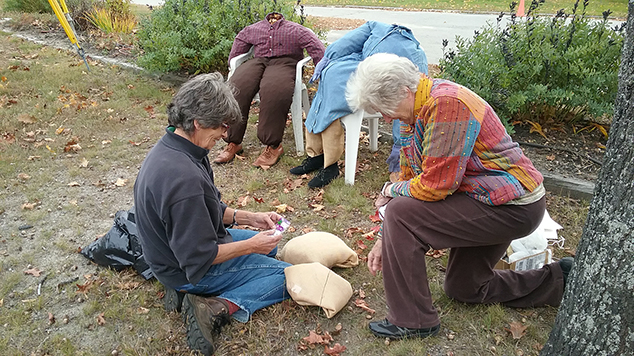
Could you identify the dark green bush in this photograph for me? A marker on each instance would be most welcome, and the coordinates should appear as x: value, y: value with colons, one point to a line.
x: 31, y: 6
x: 196, y: 35
x: 554, y: 71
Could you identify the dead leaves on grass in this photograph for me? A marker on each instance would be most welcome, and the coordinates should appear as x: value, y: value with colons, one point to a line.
x: 315, y: 338
x: 516, y: 329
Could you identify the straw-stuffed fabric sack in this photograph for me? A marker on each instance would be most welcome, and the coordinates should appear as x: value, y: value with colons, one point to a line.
x: 315, y: 284
x: 322, y: 247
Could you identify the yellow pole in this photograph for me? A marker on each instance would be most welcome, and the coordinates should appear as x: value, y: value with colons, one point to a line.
x: 67, y: 27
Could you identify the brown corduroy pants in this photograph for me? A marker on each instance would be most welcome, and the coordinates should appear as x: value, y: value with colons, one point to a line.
x: 274, y: 78
x: 477, y: 235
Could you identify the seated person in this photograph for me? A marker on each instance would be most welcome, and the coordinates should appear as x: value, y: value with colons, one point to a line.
x: 184, y: 226
x: 324, y: 131
x: 464, y: 185
x: 278, y: 45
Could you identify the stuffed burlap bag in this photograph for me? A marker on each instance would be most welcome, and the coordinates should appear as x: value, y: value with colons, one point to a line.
x: 322, y: 247
x: 315, y: 284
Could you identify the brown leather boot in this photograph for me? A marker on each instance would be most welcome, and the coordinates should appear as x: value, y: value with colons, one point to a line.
x: 269, y: 157
x: 228, y: 154
x: 204, y: 317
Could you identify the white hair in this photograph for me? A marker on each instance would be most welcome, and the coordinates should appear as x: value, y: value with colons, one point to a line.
x: 379, y: 84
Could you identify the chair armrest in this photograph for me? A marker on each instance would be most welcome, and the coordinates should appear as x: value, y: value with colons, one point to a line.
x: 299, y: 70
x: 236, y: 61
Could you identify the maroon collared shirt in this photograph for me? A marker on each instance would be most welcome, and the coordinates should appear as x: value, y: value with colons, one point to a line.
x: 283, y: 38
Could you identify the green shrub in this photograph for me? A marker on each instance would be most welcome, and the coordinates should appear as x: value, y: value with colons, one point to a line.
x: 550, y: 71
x: 196, y: 35
x: 32, y: 6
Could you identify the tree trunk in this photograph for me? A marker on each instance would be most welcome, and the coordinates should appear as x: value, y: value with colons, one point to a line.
x: 596, y: 316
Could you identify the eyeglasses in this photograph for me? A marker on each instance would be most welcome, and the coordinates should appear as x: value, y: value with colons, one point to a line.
x: 225, y: 126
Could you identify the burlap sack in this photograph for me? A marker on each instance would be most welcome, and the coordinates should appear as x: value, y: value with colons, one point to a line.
x: 322, y: 247
x: 315, y: 284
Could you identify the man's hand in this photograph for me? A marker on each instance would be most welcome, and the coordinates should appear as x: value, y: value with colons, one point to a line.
x: 264, y: 242
x: 375, y: 262
x: 265, y: 220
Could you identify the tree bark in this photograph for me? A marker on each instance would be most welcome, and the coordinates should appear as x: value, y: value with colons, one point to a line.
x: 596, y: 316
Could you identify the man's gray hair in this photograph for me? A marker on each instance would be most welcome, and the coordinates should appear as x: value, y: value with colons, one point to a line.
x: 379, y: 83
x: 205, y: 98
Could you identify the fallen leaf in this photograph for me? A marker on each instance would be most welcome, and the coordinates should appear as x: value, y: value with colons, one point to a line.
x: 335, y: 350
x: 516, y: 329
x: 375, y: 217
x: 363, y: 305
x: 29, y: 206
x: 134, y: 143
x: 50, y: 149
x: 74, y: 184
x: 26, y: 119
x: 243, y: 201
x: 317, y: 207
x: 280, y: 209
x: 84, y: 163
x: 307, y: 230
x: 51, y: 318
x: 258, y: 200
x: 338, y: 329
x: 32, y: 158
x: 59, y: 130
x: 101, y: 320
x: 352, y: 230
x: 142, y: 310
x: 361, y: 293
x: 369, y: 235
x: 120, y: 182
x: 33, y: 271
x: 361, y: 245
x: 105, y: 142
x: 24, y: 176
x: 436, y: 253
x: 4, y: 79
x: 550, y: 157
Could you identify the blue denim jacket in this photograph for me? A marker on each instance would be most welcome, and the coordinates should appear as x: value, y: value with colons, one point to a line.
x: 344, y: 55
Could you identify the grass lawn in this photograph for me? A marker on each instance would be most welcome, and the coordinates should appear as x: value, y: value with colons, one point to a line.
x: 71, y: 143
x: 595, y: 7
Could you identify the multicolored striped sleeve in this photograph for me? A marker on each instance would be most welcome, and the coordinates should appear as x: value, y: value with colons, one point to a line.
x: 443, y: 140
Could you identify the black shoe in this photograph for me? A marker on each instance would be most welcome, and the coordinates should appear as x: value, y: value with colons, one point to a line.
x: 324, y: 176
x: 386, y: 329
x: 566, y: 264
x: 309, y: 164
x: 173, y: 299
x: 204, y: 317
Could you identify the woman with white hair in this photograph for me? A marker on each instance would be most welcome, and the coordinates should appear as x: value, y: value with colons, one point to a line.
x: 464, y: 185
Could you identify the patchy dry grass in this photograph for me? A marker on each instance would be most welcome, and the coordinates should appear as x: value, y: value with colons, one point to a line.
x: 71, y: 143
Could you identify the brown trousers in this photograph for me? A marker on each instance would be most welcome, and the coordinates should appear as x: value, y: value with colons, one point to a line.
x: 330, y: 142
x: 274, y: 78
x: 477, y: 235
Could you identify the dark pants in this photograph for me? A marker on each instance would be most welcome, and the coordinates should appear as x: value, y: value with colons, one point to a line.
x: 274, y: 78
x: 478, y: 235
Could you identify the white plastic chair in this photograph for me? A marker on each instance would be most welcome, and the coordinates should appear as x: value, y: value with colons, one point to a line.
x: 352, y: 123
x: 300, y: 96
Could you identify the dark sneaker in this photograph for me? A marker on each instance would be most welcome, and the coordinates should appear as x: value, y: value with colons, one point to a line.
x: 324, y: 176
x: 566, y: 265
x: 310, y: 164
x: 173, y: 299
x: 204, y: 318
x: 386, y: 329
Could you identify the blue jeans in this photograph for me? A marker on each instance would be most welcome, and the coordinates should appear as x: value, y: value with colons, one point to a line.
x: 251, y: 282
